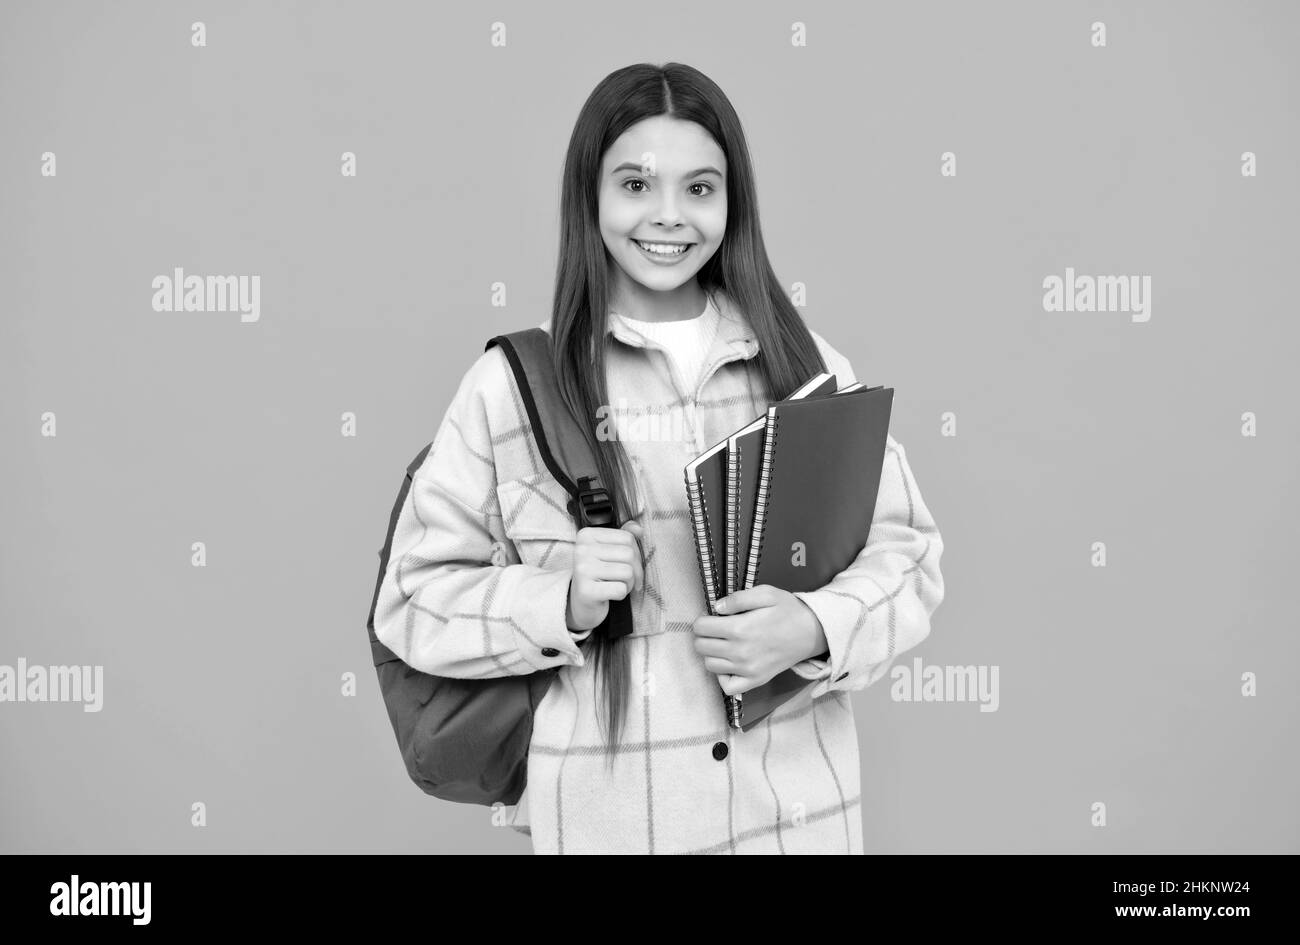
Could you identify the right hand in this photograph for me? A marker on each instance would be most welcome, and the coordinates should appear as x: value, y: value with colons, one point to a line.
x: 607, y: 565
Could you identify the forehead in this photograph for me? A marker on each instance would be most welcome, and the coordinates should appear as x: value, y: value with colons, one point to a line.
x: 677, y: 146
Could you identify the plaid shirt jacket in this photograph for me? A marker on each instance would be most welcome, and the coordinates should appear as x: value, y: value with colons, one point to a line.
x: 477, y: 586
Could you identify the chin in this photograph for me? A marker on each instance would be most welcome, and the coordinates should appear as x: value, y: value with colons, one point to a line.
x: 665, y: 281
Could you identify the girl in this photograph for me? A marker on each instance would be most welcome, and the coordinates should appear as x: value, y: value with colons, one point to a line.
x: 667, y: 316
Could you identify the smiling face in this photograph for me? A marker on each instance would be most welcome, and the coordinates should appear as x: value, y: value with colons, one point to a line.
x: 663, y: 212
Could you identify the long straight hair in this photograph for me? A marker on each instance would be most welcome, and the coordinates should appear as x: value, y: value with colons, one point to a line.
x: 787, y: 355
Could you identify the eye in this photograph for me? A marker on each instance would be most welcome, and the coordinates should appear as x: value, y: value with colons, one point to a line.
x: 643, y: 186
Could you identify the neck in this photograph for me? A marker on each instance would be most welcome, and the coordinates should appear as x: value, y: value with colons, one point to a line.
x: 634, y: 300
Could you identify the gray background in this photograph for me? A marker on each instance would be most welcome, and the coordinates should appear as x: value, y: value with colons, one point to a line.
x: 222, y: 684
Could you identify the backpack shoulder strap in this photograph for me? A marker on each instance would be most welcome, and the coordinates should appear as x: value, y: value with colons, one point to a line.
x: 560, y: 441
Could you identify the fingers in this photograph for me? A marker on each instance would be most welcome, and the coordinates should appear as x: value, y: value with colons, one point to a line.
x: 720, y: 667
x: 760, y: 595
x: 606, y: 590
x: 709, y: 647
x: 722, y: 628
x: 600, y: 569
x: 613, y: 556
x: 736, y: 685
x: 724, y: 656
x: 622, y: 548
x: 612, y: 536
x: 613, y: 577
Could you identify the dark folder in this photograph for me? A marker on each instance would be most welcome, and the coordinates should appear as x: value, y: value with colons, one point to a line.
x: 713, y: 520
x: 804, y: 473
x: 817, y: 485
x: 744, y: 459
x: 822, y: 460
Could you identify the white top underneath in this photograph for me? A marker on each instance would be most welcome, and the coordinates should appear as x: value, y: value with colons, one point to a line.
x: 687, y: 340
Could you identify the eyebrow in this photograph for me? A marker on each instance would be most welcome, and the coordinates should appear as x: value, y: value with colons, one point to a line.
x: 630, y: 166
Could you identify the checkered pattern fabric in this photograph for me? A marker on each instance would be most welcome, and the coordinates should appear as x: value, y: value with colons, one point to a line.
x: 477, y: 586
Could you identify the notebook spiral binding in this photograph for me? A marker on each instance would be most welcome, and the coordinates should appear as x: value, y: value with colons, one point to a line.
x: 733, y: 486
x: 760, y: 503
x: 699, y: 523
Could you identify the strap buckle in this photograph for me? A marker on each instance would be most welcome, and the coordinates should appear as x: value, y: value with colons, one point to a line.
x: 594, y: 505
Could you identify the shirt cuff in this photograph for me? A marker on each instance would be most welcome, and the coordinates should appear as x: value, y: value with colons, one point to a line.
x: 813, y: 669
x: 539, y: 617
x: 835, y: 613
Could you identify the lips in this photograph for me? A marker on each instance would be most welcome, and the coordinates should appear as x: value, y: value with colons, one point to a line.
x: 665, y: 257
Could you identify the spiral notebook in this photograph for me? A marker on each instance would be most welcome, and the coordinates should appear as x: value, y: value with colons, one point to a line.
x: 818, y: 484
x: 711, y: 506
x: 761, y: 702
x: 707, y: 491
x: 744, y: 456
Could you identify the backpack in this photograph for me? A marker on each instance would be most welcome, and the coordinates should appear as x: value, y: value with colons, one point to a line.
x: 467, y: 740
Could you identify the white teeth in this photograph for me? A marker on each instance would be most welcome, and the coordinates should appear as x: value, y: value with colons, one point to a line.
x: 663, y: 249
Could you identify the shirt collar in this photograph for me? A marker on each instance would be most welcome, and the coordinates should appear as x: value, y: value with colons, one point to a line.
x: 735, y: 337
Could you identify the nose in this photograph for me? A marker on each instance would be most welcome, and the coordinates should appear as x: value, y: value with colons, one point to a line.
x: 667, y: 213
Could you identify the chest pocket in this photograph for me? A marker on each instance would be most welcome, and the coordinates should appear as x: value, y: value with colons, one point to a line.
x: 537, y: 521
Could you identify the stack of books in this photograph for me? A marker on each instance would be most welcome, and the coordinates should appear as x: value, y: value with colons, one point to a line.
x: 788, y: 500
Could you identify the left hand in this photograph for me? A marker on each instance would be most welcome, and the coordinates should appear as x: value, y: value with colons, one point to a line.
x: 762, y: 631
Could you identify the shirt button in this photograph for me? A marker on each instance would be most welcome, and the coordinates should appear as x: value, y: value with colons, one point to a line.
x: 550, y: 651
x: 719, y: 750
